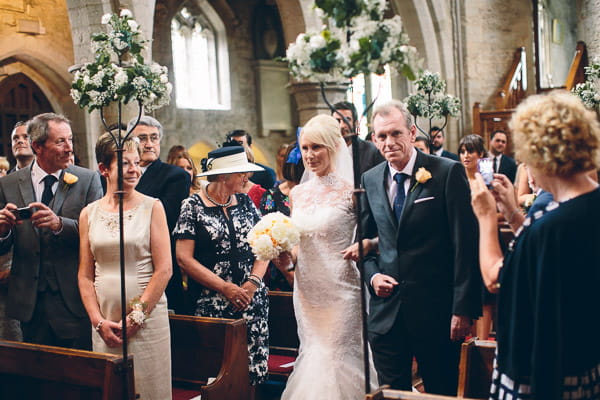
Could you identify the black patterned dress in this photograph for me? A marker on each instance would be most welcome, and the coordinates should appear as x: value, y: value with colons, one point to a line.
x: 220, y: 246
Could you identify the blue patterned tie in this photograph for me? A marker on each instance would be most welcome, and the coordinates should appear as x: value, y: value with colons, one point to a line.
x: 400, y: 194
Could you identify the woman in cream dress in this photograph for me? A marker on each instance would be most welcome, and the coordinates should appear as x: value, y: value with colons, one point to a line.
x: 147, y: 271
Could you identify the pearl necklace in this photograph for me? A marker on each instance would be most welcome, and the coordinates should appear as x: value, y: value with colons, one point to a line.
x: 226, y: 204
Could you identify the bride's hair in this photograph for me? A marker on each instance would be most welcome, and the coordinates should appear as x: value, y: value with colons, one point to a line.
x: 325, y: 130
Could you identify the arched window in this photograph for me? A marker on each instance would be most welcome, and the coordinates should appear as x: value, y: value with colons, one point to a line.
x: 200, y: 59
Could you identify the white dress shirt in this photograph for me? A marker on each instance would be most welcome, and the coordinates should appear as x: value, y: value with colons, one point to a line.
x: 37, y: 179
x: 391, y: 183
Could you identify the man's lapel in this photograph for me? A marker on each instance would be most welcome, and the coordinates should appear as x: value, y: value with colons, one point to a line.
x: 383, y: 196
x: 60, y: 194
x: 147, y: 178
x: 26, y: 186
x: 414, y: 189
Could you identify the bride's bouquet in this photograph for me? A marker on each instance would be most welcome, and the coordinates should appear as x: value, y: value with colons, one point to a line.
x: 273, y: 234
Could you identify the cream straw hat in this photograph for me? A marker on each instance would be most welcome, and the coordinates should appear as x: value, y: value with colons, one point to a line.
x: 227, y: 160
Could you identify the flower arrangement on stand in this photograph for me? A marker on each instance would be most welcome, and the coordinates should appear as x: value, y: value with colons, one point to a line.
x: 119, y: 74
x: 589, y: 91
x: 355, y: 39
x: 431, y: 102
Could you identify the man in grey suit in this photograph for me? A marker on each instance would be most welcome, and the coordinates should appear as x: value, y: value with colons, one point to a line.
x: 424, y: 281
x: 368, y: 154
x: 43, y: 292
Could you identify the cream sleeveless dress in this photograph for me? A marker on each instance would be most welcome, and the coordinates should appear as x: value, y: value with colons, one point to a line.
x: 150, y: 346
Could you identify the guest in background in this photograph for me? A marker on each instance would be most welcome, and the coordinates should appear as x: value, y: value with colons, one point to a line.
x: 264, y: 177
x: 213, y: 250
x: 147, y: 271
x: 21, y: 146
x: 277, y: 199
x: 281, y: 158
x: 548, y: 281
x: 438, y: 137
x: 10, y: 329
x: 165, y: 182
x: 368, y: 154
x: 502, y: 163
x: 422, y: 144
x: 4, y: 166
x: 471, y: 150
x: 253, y: 190
x: 180, y: 157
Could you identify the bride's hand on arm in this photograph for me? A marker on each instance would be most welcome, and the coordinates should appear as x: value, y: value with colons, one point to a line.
x: 351, y: 252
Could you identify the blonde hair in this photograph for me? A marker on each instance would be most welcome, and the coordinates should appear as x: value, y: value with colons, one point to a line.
x: 4, y: 163
x: 324, y: 130
x: 556, y: 134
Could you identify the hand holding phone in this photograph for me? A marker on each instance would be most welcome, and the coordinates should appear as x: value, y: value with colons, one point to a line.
x: 22, y: 213
x: 486, y: 169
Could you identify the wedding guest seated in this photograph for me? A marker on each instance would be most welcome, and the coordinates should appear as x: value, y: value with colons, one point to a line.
x: 548, y: 280
x: 180, y: 157
x: 212, y: 249
x: 277, y: 199
x: 147, y: 271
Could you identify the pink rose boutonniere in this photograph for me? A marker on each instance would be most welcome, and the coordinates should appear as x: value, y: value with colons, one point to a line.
x: 69, y: 179
x: 421, y: 176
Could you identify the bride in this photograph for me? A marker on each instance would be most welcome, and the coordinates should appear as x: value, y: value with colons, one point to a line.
x: 326, y: 286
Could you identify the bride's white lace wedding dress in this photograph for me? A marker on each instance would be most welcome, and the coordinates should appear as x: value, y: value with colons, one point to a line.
x: 326, y: 295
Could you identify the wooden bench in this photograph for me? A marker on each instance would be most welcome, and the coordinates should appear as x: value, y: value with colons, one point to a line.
x: 475, y: 368
x: 384, y: 393
x: 203, y: 348
x: 31, y: 371
x: 283, y: 335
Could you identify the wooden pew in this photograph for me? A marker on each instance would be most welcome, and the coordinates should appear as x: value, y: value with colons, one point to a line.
x: 203, y: 348
x: 384, y: 393
x: 283, y: 335
x: 31, y: 371
x: 475, y: 368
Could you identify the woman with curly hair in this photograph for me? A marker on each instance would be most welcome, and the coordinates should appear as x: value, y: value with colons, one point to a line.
x: 549, y: 278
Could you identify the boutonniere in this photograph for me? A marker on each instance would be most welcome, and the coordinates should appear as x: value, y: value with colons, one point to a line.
x: 421, y: 176
x: 69, y: 178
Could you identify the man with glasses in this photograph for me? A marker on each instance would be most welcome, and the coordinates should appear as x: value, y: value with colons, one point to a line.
x: 168, y: 183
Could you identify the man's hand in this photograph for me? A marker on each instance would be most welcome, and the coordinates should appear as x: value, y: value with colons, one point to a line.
x: 383, y: 285
x: 7, y: 219
x: 460, y: 327
x: 44, y: 217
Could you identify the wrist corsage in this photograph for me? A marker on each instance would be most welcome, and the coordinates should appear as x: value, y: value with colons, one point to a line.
x: 138, y: 313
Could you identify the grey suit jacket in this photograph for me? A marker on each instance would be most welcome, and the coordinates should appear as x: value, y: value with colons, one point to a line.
x: 36, y: 250
x: 431, y: 252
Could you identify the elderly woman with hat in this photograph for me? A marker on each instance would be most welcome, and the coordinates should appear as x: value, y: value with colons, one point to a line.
x: 212, y: 249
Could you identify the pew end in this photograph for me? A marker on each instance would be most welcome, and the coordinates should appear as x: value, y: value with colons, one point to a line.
x: 283, y: 335
x: 32, y: 371
x: 202, y: 348
x: 476, y: 368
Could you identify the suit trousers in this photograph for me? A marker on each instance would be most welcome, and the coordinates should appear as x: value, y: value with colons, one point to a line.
x: 53, y: 325
x: 437, y: 357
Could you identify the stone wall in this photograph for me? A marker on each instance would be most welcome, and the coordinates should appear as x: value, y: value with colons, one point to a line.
x: 587, y: 24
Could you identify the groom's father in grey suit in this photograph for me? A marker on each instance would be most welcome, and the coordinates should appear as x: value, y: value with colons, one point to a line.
x: 43, y: 292
x: 425, y: 280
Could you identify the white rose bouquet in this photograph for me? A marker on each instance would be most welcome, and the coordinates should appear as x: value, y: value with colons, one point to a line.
x: 272, y: 235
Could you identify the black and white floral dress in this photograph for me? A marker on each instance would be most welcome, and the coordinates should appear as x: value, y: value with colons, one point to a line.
x: 221, y: 246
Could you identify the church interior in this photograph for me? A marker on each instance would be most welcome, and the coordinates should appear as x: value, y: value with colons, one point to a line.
x: 226, y: 61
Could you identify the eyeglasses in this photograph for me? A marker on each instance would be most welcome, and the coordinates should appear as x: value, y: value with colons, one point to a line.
x: 154, y: 138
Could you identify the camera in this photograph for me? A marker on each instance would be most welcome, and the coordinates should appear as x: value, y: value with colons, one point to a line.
x: 22, y: 213
x: 486, y: 169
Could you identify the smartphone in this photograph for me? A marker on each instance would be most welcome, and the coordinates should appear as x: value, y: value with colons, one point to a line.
x: 485, y: 167
x: 22, y: 213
